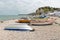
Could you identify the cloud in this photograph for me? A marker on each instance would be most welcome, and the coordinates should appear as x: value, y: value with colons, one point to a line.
x: 8, y: 7
x: 25, y: 6
x: 52, y: 3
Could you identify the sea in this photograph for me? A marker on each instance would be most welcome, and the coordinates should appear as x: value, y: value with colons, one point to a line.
x: 10, y: 17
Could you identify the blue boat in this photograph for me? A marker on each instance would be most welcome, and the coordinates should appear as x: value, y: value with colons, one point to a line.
x: 19, y: 27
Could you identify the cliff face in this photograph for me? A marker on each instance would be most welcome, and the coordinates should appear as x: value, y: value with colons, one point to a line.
x: 45, y: 10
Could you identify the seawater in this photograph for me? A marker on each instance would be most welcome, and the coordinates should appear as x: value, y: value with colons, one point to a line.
x: 9, y: 17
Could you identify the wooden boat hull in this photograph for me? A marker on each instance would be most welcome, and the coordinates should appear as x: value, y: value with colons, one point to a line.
x: 42, y: 22
x: 23, y: 21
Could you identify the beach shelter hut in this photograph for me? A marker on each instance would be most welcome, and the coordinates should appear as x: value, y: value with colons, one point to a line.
x: 19, y: 27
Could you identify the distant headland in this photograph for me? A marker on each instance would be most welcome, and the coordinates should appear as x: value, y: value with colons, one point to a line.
x: 45, y: 9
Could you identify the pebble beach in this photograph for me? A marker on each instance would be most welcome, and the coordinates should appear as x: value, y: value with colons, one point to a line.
x: 48, y: 32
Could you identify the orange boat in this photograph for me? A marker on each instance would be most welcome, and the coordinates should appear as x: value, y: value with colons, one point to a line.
x: 23, y: 20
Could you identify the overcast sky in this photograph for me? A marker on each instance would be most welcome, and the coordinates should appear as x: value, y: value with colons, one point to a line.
x: 14, y: 7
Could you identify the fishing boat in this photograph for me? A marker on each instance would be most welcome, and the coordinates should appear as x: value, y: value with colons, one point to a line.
x: 24, y: 20
x: 19, y: 27
x: 42, y: 20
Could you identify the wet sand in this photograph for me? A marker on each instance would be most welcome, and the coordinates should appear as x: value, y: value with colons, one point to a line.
x: 49, y: 32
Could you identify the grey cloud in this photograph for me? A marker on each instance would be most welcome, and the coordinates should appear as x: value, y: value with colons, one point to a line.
x: 25, y: 6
